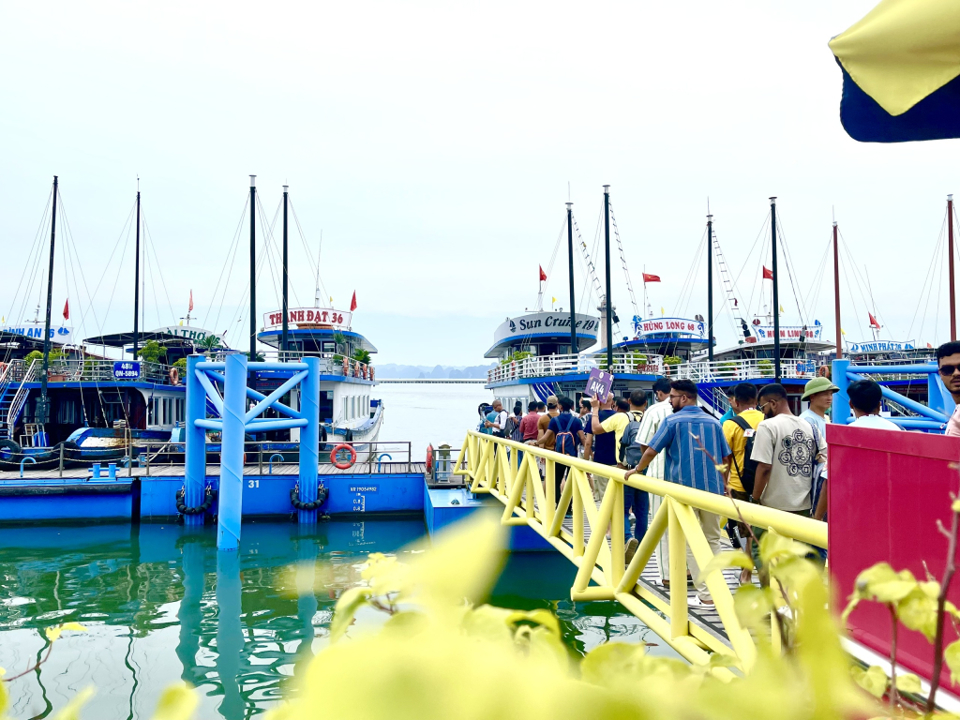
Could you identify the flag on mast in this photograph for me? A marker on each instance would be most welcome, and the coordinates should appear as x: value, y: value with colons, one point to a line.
x: 873, y: 321
x: 190, y: 306
x: 66, y: 309
x: 647, y: 277
x: 767, y: 274
x: 543, y: 275
x: 353, y: 302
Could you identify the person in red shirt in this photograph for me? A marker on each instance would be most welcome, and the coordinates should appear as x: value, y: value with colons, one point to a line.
x: 528, y: 424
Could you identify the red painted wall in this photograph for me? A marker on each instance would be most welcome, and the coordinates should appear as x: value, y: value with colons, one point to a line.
x: 887, y: 491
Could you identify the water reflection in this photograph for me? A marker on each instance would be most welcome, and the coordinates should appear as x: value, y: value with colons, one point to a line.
x: 161, y: 605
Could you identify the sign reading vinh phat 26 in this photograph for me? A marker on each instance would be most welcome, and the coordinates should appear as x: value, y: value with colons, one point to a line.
x: 309, y: 317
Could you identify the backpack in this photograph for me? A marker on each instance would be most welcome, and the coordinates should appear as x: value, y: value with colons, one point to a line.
x: 630, y: 450
x: 748, y: 472
x: 566, y: 442
x: 512, y: 429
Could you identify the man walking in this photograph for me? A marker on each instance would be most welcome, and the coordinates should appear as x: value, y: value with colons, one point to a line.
x: 740, y: 433
x: 545, y: 418
x: 564, y: 435
x: 819, y: 393
x: 694, y: 444
x: 528, y: 425
x: 499, y: 424
x: 786, y: 452
x: 653, y: 418
x: 603, y: 448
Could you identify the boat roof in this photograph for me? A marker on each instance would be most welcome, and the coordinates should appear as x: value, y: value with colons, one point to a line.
x: 543, y: 327
x: 272, y: 337
x: 170, y: 335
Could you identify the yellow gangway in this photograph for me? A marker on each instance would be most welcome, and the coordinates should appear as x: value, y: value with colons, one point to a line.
x: 491, y: 465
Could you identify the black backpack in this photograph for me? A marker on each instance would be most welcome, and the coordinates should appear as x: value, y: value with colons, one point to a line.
x: 748, y: 472
x: 512, y: 428
x: 630, y: 450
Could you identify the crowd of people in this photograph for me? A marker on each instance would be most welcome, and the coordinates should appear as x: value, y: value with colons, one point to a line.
x: 760, y: 451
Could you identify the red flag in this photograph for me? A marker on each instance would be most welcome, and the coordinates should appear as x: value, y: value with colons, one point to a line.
x: 66, y: 309
x: 650, y: 278
x: 930, y: 346
x: 543, y: 275
x: 873, y: 321
x: 353, y: 303
x: 767, y: 274
x: 190, y: 309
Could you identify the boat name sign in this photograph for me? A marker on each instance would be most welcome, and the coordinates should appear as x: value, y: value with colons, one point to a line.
x: 126, y: 370
x: 658, y: 326
x: 813, y: 332
x: 61, y: 335
x: 881, y: 346
x: 309, y: 316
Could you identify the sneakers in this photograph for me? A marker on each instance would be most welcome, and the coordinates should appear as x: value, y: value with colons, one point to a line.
x: 697, y: 601
x: 630, y: 550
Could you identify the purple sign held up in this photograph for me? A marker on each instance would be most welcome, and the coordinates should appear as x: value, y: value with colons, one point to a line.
x: 599, y: 384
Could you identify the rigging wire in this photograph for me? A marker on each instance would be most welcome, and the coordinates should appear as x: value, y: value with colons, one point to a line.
x: 623, y: 261
x: 228, y: 268
x: 152, y: 247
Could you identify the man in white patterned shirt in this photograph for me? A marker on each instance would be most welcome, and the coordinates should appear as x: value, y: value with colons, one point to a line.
x: 652, y: 419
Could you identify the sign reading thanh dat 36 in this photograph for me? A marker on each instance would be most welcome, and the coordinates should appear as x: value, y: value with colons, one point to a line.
x: 309, y: 316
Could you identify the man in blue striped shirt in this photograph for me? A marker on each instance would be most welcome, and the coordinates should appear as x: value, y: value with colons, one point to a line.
x: 693, y: 444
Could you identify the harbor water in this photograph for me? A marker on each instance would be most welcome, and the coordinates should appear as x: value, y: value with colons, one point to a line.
x: 161, y: 605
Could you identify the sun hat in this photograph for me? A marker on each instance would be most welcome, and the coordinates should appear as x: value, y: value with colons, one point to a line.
x: 818, y: 385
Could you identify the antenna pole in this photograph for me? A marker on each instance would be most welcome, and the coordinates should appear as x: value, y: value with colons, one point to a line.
x: 953, y: 289
x: 285, y: 328
x: 253, y: 268
x: 836, y: 291
x: 43, y: 407
x: 607, y: 300
x: 709, y: 285
x: 776, y: 292
x: 136, y: 287
x: 573, y: 310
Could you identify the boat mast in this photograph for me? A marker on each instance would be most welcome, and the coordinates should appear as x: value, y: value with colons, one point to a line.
x: 253, y: 268
x: 953, y: 290
x: 136, y: 283
x: 43, y: 407
x: 709, y: 284
x: 776, y: 293
x: 285, y: 326
x: 607, y: 299
x: 573, y: 311
x: 836, y: 291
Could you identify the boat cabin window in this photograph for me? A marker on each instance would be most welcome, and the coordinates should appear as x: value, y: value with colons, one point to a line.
x: 329, y: 346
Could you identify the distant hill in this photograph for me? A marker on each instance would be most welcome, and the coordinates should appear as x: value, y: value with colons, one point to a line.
x: 439, y: 372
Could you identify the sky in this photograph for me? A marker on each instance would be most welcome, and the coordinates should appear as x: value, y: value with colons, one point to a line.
x: 433, y: 145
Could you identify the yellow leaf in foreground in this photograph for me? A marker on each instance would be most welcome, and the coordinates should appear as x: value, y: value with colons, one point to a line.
x: 951, y: 656
x: 724, y: 560
x: 908, y: 682
x: 874, y: 680
x: 177, y: 703
x: 72, y: 709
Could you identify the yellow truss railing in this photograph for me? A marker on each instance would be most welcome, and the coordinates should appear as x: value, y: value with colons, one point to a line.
x: 600, y: 560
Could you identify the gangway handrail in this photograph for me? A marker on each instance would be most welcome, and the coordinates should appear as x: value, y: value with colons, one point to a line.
x: 493, y: 470
x: 16, y: 405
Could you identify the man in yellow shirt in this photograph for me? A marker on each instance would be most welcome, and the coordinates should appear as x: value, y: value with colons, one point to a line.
x: 738, y: 432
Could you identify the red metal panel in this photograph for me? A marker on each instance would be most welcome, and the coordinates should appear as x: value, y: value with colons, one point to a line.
x: 887, y: 491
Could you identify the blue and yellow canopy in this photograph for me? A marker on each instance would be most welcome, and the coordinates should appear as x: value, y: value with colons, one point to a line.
x: 901, y: 72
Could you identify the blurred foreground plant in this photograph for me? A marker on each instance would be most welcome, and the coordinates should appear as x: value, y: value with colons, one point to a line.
x: 437, y: 654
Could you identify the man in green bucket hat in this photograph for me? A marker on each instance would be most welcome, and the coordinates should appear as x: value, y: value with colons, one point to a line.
x: 819, y: 393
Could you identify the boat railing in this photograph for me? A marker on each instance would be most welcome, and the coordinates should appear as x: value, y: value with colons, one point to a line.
x: 330, y: 363
x: 538, y: 366
x: 272, y: 458
x: 742, y: 370
x: 89, y: 370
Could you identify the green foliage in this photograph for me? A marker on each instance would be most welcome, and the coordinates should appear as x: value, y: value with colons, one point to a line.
x: 33, y: 355
x: 209, y: 343
x: 152, y: 352
x: 765, y: 367
x: 672, y: 360
x: 362, y: 355
x: 181, y: 365
x: 515, y: 357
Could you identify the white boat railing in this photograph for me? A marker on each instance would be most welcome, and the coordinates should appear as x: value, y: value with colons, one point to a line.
x: 542, y: 366
x: 742, y: 370
x: 330, y: 363
x: 20, y: 398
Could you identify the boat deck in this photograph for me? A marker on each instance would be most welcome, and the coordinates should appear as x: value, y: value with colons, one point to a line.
x: 362, y: 468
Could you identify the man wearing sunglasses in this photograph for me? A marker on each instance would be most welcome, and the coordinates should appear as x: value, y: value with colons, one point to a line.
x: 948, y: 360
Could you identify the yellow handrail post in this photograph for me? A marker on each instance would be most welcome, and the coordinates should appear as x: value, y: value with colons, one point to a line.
x: 577, y: 513
x: 617, y: 534
x: 678, y: 575
x: 598, y: 537
x: 648, y: 544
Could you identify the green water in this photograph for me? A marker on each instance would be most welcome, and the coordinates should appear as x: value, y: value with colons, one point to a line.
x: 160, y: 605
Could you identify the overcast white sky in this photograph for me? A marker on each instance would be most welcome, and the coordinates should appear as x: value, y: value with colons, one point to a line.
x: 432, y: 142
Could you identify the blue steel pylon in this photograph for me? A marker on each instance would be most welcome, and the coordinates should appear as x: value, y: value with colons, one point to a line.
x: 204, y: 379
